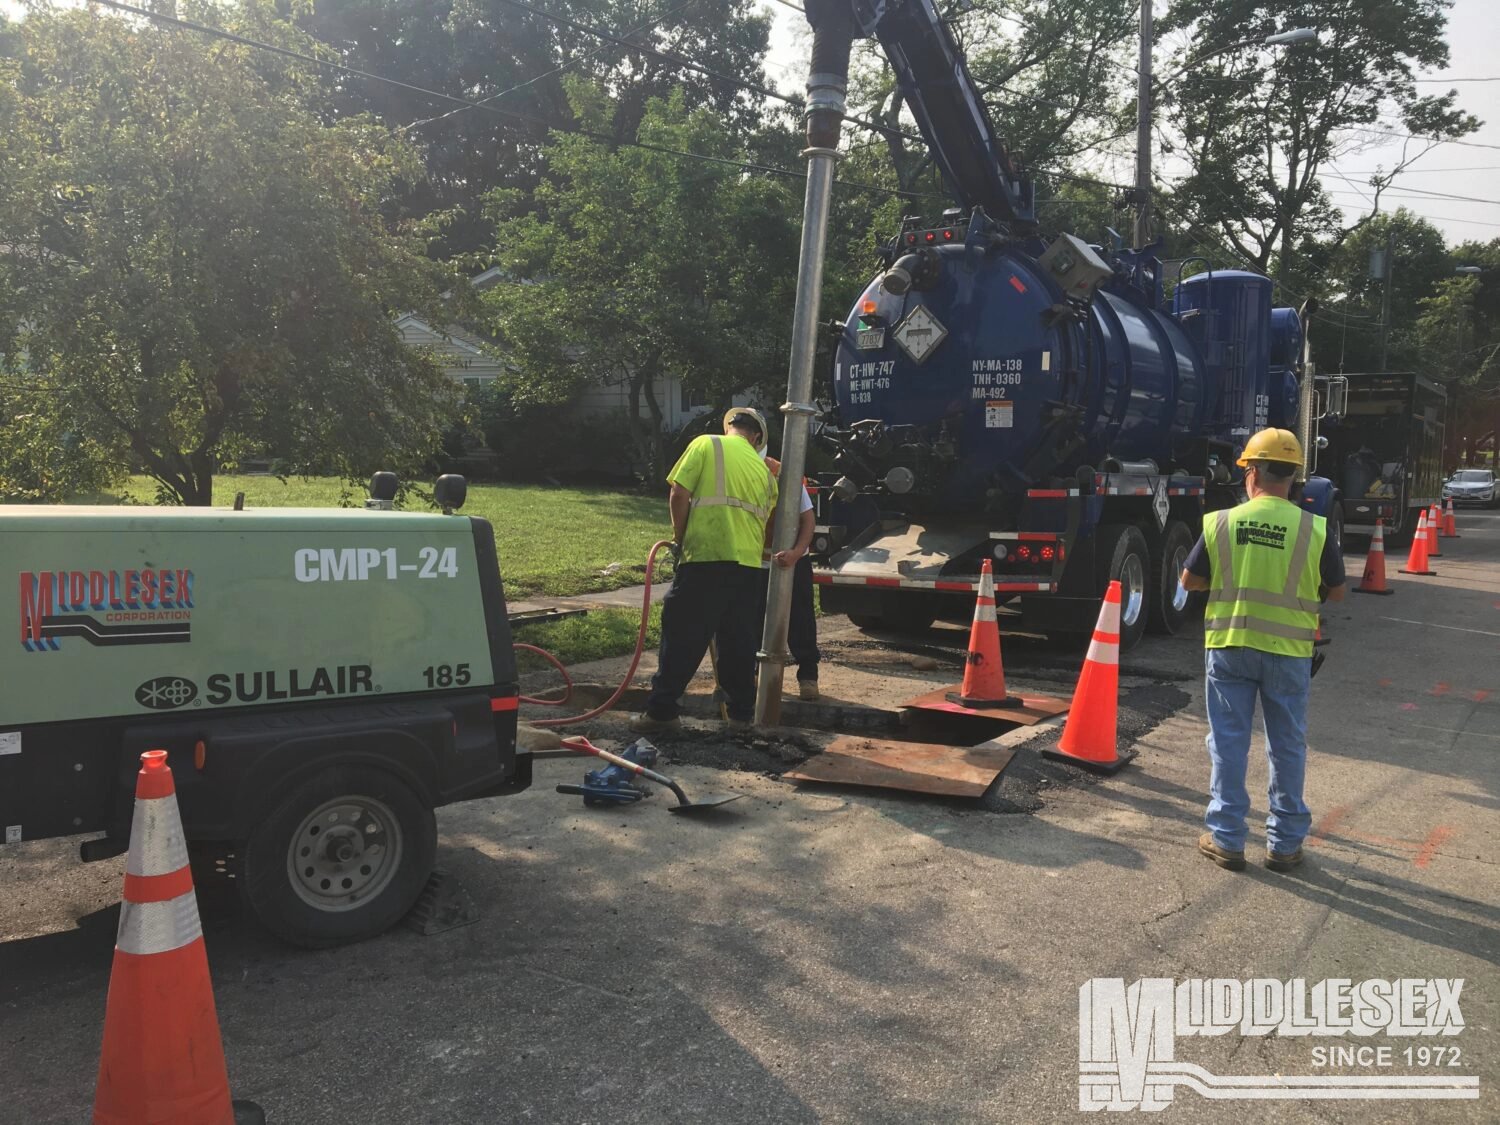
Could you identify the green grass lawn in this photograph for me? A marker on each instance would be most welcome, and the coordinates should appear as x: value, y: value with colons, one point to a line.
x: 552, y: 541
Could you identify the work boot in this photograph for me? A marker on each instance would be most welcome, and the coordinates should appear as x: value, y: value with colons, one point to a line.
x: 808, y: 690
x: 646, y: 723
x: 1283, y: 861
x: 1228, y: 860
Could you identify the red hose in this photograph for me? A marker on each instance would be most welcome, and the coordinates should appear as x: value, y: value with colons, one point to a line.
x: 635, y: 660
x: 556, y: 663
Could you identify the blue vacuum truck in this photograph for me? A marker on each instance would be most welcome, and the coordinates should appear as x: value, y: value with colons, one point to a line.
x: 1035, y: 401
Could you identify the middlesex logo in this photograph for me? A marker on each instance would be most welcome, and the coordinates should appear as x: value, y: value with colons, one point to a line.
x: 1127, y: 1038
x: 106, y: 607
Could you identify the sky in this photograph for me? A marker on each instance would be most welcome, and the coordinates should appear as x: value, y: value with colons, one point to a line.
x: 1470, y: 169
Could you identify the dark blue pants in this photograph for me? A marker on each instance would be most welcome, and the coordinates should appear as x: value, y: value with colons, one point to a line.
x: 709, y: 601
x: 802, y: 626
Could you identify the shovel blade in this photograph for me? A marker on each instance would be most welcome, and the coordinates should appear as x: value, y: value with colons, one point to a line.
x: 704, y: 804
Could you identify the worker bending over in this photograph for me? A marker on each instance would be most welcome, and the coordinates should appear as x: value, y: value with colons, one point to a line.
x: 1263, y: 564
x: 722, y: 495
x: 802, y: 626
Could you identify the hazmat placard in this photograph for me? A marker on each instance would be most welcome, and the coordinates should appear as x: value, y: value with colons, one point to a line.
x: 999, y: 414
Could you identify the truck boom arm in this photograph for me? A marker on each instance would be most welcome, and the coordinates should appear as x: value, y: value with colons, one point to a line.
x: 934, y: 79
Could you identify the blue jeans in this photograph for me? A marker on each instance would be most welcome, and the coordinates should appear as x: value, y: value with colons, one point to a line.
x: 1235, y: 677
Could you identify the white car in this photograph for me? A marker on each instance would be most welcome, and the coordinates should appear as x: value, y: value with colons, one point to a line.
x: 1472, y: 486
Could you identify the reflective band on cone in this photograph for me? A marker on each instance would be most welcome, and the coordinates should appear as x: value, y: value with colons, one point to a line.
x: 1090, y: 738
x: 162, y: 1060
x: 1373, y: 581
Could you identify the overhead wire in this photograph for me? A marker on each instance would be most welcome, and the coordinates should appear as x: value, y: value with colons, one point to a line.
x: 468, y: 103
x: 649, y: 25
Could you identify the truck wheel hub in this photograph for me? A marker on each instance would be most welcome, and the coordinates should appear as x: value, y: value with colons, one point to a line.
x: 344, y: 853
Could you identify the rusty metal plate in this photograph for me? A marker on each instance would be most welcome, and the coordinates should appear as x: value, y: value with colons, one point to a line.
x: 1035, y: 707
x: 920, y: 767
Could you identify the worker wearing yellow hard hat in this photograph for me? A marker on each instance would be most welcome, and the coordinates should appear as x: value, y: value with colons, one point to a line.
x: 1276, y: 446
x: 1266, y: 565
x: 722, y: 494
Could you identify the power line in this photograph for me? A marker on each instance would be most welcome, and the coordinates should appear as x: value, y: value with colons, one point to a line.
x: 1418, y: 137
x: 687, y: 64
x: 1445, y: 81
x: 649, y: 25
x: 437, y: 95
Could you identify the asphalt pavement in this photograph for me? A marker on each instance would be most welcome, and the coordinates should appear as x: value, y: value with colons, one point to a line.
x: 842, y: 955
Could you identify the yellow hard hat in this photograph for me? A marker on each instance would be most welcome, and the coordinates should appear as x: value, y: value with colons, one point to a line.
x: 760, y: 419
x: 1272, y: 445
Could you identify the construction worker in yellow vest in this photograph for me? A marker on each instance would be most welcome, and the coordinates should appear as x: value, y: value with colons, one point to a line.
x: 1266, y: 566
x: 722, y: 495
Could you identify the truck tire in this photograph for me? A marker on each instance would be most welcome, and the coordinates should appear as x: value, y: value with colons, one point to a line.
x: 1171, y: 606
x: 341, y: 858
x: 1124, y: 558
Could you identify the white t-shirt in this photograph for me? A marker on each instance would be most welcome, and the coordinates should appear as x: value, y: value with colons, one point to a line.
x: 805, y: 506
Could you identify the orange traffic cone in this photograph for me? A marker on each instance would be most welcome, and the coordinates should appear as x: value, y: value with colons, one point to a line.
x: 1416, y: 560
x: 1090, y: 736
x: 1434, y: 519
x: 1450, y: 525
x: 1373, y: 581
x: 162, y: 1060
x: 984, y: 675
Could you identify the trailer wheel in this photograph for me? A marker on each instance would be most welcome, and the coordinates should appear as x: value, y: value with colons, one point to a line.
x: 1124, y: 558
x: 341, y: 858
x: 1171, y: 605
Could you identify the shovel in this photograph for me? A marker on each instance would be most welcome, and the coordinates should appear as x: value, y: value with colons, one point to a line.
x: 683, y: 805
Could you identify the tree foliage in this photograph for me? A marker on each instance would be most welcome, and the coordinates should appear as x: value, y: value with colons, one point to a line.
x: 632, y: 265
x: 518, y: 63
x: 1260, y: 125
x: 195, y: 267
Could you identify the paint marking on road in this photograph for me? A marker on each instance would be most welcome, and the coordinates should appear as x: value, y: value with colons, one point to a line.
x: 1430, y: 846
x: 1423, y: 851
x: 1408, y: 706
x: 1386, y: 682
x: 1324, y: 827
x: 1439, y: 689
x: 1434, y: 625
x: 1480, y: 696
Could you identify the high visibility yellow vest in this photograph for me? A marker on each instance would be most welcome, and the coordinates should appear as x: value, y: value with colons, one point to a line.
x: 1265, y: 557
x: 733, y: 496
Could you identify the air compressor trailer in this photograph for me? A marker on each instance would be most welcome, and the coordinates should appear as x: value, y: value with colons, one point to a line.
x: 321, y: 679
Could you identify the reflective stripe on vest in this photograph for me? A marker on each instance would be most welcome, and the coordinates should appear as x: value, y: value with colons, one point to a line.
x: 721, y: 497
x: 1244, y: 613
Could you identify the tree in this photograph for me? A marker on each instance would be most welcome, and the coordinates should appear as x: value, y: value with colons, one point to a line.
x: 195, y: 267
x: 516, y: 57
x: 1260, y: 125
x: 1346, y: 336
x: 635, y: 264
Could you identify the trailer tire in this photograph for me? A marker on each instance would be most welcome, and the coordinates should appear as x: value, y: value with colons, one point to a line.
x: 1172, y: 607
x: 1124, y: 558
x: 341, y: 858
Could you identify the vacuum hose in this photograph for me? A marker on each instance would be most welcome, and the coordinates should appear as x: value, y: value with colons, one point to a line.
x: 635, y: 660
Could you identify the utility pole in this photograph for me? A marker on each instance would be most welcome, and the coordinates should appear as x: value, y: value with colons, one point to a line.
x: 1143, y: 132
x: 1385, y: 297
